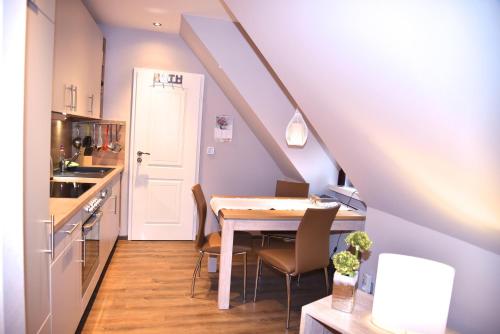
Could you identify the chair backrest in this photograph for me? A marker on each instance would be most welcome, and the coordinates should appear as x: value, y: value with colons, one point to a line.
x: 201, y: 206
x: 312, y: 241
x: 291, y: 189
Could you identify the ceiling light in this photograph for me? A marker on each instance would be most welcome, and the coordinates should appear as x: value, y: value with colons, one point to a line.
x: 296, y: 131
x: 157, y: 24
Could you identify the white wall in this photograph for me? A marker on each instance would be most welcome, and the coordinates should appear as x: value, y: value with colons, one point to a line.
x: 250, y: 86
x: 241, y: 167
x: 475, y: 302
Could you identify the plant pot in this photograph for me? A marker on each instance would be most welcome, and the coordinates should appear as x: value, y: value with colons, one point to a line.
x: 343, y: 292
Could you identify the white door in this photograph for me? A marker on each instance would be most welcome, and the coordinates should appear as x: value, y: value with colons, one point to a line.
x: 165, y: 126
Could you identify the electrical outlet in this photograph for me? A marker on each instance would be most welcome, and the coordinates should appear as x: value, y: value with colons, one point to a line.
x: 211, y: 150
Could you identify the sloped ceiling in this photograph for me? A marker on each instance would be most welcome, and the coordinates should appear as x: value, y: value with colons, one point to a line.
x: 257, y: 96
x: 140, y: 14
x: 404, y: 94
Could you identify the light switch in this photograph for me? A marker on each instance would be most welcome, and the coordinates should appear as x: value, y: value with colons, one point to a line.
x: 210, y: 150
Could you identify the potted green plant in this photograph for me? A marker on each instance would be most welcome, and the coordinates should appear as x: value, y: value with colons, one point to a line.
x: 347, y: 265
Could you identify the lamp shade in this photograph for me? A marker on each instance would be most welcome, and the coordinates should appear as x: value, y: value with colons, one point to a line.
x: 296, y: 131
x: 412, y: 295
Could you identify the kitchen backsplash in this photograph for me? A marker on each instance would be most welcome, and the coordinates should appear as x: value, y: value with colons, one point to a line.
x: 63, y: 131
x: 60, y: 135
x: 108, y: 141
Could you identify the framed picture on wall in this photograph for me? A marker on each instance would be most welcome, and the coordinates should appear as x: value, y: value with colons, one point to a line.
x: 223, y: 131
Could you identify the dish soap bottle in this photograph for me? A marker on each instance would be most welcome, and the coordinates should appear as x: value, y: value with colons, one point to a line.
x: 62, y: 159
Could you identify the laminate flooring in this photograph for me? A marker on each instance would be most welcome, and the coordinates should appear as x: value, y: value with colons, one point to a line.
x: 146, y: 289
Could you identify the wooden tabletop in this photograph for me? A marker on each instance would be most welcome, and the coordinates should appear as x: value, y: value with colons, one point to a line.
x: 279, y: 214
x: 282, y: 214
x: 359, y: 321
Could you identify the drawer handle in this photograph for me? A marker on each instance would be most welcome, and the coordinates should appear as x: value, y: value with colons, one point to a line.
x: 73, y: 229
x: 51, y: 250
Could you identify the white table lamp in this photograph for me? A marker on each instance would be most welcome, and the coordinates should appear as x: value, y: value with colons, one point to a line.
x: 412, y: 295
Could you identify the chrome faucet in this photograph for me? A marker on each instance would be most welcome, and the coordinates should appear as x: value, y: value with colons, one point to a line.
x: 66, y: 162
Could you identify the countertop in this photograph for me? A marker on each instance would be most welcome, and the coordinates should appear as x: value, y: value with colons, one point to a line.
x: 65, y: 208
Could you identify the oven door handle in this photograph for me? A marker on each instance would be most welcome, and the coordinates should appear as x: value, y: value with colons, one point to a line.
x: 83, y: 251
x: 98, y: 217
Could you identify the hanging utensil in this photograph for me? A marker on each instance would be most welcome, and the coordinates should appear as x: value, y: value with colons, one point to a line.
x: 111, y: 143
x: 99, y: 139
x: 105, y: 146
x: 117, y: 147
x: 94, y: 136
x: 87, y: 140
x: 77, y: 141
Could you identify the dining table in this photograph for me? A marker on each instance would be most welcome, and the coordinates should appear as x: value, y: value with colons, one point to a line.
x: 266, y: 213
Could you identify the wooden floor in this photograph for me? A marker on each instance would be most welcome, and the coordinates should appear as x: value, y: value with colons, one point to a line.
x: 146, y: 289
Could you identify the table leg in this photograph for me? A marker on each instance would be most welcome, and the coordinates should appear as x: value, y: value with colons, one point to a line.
x: 309, y: 325
x: 212, y: 264
x: 226, y: 262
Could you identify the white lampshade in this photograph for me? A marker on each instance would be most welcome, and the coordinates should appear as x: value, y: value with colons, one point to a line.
x: 296, y: 131
x: 412, y: 295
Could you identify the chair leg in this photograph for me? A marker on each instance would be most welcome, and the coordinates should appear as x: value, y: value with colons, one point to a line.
x: 257, y: 274
x: 196, y: 268
x: 263, y: 241
x: 298, y: 280
x: 288, y: 295
x: 244, y: 277
x: 327, y: 284
x: 199, y: 267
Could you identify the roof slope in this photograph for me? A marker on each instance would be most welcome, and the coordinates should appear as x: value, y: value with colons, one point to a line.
x: 404, y: 95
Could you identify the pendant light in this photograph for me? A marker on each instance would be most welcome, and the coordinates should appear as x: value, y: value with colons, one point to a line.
x: 296, y: 131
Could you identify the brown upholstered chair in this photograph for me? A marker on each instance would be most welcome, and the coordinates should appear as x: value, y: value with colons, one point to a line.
x: 211, y: 244
x: 291, y: 189
x: 309, y: 253
x: 286, y: 189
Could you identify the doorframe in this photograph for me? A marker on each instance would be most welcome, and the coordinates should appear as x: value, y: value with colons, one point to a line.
x: 131, y: 142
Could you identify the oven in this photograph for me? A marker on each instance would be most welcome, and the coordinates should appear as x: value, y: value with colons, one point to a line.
x: 90, y: 248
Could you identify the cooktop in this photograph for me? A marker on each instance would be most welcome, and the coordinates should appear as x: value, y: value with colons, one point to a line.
x: 68, y: 189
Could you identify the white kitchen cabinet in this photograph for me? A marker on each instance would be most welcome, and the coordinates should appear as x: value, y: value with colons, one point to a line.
x: 66, y: 284
x: 78, y: 55
x: 38, y: 100
x: 110, y: 225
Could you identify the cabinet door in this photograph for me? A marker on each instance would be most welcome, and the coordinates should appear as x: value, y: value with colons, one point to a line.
x: 94, y: 41
x: 66, y: 287
x: 38, y: 95
x: 116, y: 190
x: 110, y: 223
x: 68, y: 51
x: 77, y: 60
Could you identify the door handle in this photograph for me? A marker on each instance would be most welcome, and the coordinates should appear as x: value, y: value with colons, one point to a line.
x: 69, y: 88
x: 140, y: 154
x: 91, y: 104
x: 75, y: 88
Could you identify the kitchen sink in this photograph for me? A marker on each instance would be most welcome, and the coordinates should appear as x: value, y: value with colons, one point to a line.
x: 92, y: 172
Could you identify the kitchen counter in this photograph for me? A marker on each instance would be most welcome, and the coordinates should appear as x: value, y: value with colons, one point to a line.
x: 65, y: 208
